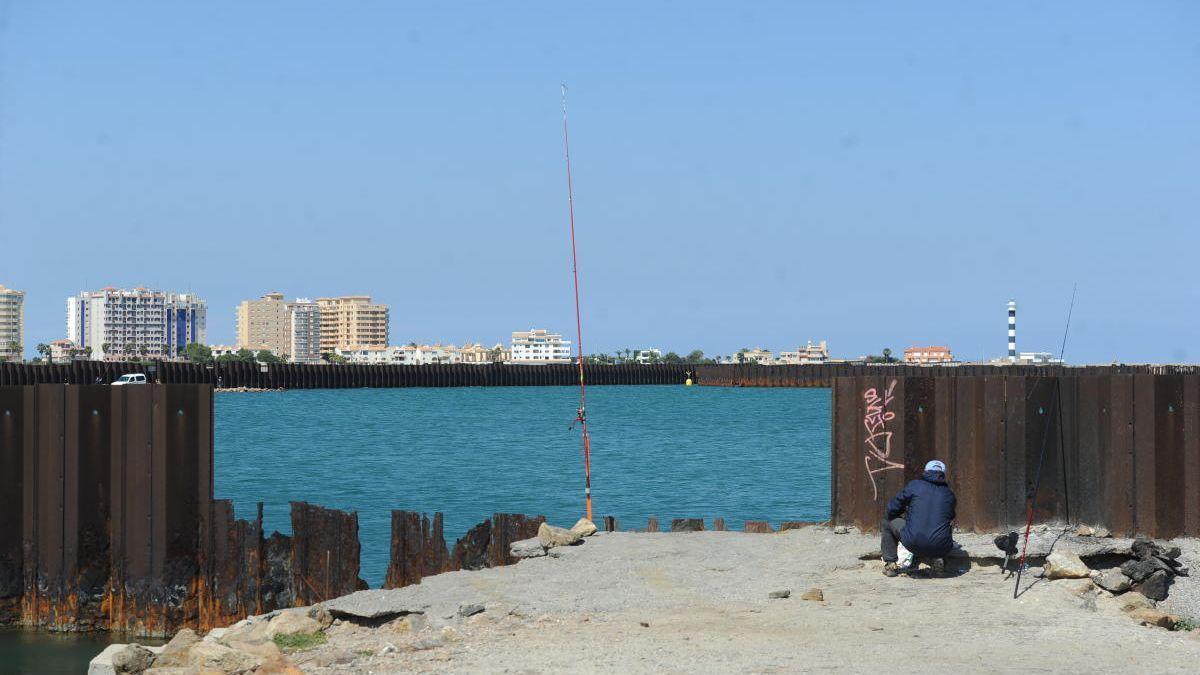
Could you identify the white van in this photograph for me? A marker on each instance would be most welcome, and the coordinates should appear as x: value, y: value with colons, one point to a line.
x: 131, y: 378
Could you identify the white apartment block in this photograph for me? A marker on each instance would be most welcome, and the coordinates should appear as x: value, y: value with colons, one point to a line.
x: 818, y: 353
x: 538, y: 346
x: 305, y: 330
x: 758, y: 355
x: 12, y: 324
x: 139, y: 323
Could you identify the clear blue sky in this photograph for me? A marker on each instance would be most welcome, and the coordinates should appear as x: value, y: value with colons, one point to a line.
x: 746, y: 173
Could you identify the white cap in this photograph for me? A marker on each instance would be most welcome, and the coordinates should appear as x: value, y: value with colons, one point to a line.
x: 935, y: 465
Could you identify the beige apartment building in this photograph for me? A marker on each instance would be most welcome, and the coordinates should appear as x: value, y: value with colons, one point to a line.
x: 265, y: 322
x: 12, y: 324
x: 290, y: 330
x: 352, y: 322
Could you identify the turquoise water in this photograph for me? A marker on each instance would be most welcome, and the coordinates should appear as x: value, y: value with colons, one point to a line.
x: 33, y: 652
x: 666, y: 451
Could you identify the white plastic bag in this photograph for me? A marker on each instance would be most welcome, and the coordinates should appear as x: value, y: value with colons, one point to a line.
x: 904, y: 557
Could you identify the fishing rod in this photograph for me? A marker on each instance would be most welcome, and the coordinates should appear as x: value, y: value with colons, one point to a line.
x: 581, y: 413
x: 1031, y: 498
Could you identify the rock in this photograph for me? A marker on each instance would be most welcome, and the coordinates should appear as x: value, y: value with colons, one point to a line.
x: 1101, y: 533
x: 101, y: 664
x: 131, y: 658
x: 758, y: 527
x: 1153, y: 617
x: 687, y: 525
x: 321, y: 615
x: 1144, y: 548
x: 1171, y: 553
x: 779, y: 595
x: 1085, y: 531
x: 551, y: 536
x: 1155, y: 586
x: 841, y: 529
x: 814, y: 594
x: 1081, y: 588
x: 527, y: 548
x: 1065, y: 564
x: 470, y: 610
x: 220, y: 657
x: 374, y: 604
x: 584, y: 527
x: 1113, y: 581
x: 332, y: 657
x: 1132, y: 601
x: 175, y: 652
x: 389, y: 648
x: 1138, y: 570
x: 292, y: 622
x: 431, y: 642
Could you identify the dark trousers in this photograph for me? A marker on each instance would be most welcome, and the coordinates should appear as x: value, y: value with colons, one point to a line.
x: 889, y: 537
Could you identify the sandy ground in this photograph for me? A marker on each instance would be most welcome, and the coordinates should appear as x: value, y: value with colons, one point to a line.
x: 698, y: 602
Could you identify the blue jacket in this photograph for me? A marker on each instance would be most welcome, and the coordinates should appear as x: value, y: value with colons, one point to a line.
x: 928, y: 507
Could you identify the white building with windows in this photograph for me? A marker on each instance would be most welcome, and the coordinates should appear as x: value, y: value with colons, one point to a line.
x: 139, y: 323
x: 539, y: 346
x: 304, y: 331
x: 643, y: 356
x: 818, y: 353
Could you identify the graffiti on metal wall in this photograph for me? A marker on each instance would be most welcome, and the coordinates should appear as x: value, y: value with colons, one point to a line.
x: 879, y: 439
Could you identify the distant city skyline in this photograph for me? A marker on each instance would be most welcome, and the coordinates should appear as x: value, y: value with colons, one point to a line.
x: 868, y: 175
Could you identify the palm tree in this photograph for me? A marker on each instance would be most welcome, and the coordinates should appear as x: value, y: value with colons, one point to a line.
x: 44, y: 350
x: 87, y: 351
x: 887, y: 355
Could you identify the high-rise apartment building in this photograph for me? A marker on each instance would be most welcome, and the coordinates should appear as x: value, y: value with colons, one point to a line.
x: 539, y: 346
x: 291, y: 330
x: 351, y: 322
x: 137, y: 323
x: 12, y: 324
x: 305, y: 320
x: 265, y: 323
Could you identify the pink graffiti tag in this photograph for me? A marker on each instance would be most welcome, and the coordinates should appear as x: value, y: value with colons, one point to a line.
x: 879, y: 439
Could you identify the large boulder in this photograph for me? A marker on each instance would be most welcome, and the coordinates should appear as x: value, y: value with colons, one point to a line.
x: 1065, y: 564
x: 1113, y: 581
x: 175, y: 652
x: 221, y: 657
x: 132, y: 658
x: 1139, y: 570
x: 292, y: 622
x: 584, y: 527
x: 527, y: 548
x: 552, y: 536
x: 1155, y: 586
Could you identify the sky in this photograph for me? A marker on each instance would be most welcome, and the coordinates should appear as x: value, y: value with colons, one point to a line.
x: 746, y: 174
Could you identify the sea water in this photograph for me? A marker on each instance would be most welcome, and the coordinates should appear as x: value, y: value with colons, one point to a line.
x: 665, y: 451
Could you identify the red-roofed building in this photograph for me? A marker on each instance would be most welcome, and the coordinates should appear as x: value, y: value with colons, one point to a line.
x: 927, y: 355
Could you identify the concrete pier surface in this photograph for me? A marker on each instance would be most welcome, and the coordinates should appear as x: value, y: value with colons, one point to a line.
x: 711, y: 602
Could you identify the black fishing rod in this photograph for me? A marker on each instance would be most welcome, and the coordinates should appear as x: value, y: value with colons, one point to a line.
x: 1031, y: 498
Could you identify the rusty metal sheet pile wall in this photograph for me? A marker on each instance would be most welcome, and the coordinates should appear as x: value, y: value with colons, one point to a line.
x: 1122, y: 451
x: 419, y: 550
x: 107, y: 518
x: 822, y: 375
x: 326, y: 376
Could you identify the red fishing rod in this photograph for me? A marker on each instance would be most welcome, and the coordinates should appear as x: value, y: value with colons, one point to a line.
x: 1031, y: 498
x: 581, y: 413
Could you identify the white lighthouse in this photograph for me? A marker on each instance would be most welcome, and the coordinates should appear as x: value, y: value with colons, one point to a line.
x: 1012, y: 331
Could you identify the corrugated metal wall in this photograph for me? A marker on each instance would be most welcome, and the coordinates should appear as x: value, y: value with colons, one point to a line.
x: 1123, y: 453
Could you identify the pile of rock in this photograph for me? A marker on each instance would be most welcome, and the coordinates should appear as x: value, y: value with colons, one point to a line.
x: 251, y: 645
x: 550, y: 537
x: 1144, y: 578
x: 1150, y: 571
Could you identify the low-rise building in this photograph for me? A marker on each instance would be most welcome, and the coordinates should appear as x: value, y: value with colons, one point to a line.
x: 478, y: 354
x: 810, y: 353
x: 758, y: 355
x: 643, y: 356
x: 64, y: 351
x: 927, y: 355
x: 539, y: 346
